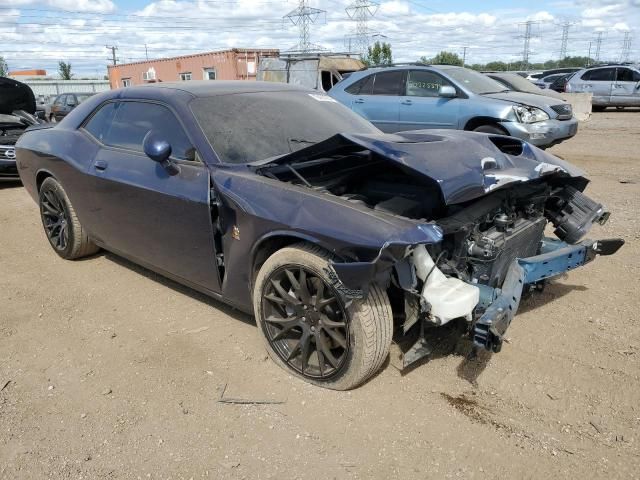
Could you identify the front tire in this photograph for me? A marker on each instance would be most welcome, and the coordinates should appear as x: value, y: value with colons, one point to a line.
x: 310, y: 329
x: 61, y: 224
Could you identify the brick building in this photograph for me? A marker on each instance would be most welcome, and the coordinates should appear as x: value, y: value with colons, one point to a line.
x: 233, y: 64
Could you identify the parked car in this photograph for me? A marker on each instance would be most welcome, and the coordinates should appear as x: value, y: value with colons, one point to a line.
x: 415, y: 97
x: 64, y: 103
x: 533, y: 76
x: 17, y: 109
x: 545, y: 82
x: 611, y: 86
x: 516, y: 82
x: 283, y: 203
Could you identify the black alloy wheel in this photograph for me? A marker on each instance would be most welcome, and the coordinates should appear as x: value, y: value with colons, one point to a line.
x: 305, y: 322
x: 55, y: 219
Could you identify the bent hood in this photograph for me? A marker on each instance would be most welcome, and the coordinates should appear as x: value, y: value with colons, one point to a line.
x: 14, y: 96
x: 464, y: 165
x: 541, y: 101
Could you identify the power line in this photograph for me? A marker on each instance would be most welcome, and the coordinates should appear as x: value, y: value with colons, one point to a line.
x: 565, y: 39
x: 598, y: 45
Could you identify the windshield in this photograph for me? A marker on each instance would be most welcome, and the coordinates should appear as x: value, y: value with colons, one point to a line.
x: 474, y: 81
x: 83, y: 96
x: 248, y: 127
x: 521, y: 84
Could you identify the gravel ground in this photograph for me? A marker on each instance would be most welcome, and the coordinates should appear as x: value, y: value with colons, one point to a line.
x: 110, y: 371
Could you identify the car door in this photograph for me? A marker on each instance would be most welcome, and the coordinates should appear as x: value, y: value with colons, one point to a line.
x: 423, y: 107
x: 70, y: 103
x: 626, y: 88
x: 599, y: 82
x: 378, y: 99
x: 141, y: 211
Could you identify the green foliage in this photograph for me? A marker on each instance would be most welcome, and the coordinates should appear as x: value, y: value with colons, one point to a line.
x: 378, y: 54
x: 443, y: 58
x: 64, y: 69
x: 4, y: 68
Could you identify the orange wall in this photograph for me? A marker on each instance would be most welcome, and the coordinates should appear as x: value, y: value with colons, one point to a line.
x: 229, y: 65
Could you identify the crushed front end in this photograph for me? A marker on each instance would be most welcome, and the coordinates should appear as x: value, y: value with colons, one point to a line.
x: 493, y: 250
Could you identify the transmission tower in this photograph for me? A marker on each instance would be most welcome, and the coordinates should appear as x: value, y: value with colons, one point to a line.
x: 598, y: 45
x: 626, y: 47
x: 361, y: 11
x: 526, y: 51
x: 565, y: 39
x: 303, y: 17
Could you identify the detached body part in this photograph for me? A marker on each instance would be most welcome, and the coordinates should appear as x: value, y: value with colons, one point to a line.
x: 285, y: 204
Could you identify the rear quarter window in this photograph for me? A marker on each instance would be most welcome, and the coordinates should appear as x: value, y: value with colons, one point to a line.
x: 100, y: 122
x: 600, y: 75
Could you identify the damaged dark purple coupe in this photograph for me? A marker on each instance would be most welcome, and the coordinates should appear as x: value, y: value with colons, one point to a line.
x: 285, y: 204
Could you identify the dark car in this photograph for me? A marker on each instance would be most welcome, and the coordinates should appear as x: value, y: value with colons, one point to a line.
x: 66, y: 102
x: 17, y: 107
x: 513, y: 81
x: 285, y: 204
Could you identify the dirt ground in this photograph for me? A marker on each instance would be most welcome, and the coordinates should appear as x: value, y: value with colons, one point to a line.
x: 115, y: 372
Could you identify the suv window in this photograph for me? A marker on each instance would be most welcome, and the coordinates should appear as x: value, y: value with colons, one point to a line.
x: 600, y: 75
x: 71, y: 101
x: 422, y: 83
x: 364, y: 86
x: 129, y: 122
x: 388, y: 83
x: 627, y: 75
x: 60, y: 100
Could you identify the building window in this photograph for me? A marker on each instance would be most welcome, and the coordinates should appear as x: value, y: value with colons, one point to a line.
x: 126, y: 82
x: 209, y: 74
x: 185, y: 76
x: 149, y: 75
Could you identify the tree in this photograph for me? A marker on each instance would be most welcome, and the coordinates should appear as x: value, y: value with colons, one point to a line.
x: 496, y: 67
x: 379, y: 54
x: 4, y: 68
x: 64, y: 69
x: 443, y: 58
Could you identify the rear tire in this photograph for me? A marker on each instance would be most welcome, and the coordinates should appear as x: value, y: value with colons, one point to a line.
x: 301, y: 336
x: 61, y: 224
x: 490, y: 129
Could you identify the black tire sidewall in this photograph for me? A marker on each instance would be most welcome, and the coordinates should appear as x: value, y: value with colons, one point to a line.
x: 51, y: 185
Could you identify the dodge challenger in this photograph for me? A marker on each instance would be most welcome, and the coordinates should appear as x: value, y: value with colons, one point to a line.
x: 286, y: 205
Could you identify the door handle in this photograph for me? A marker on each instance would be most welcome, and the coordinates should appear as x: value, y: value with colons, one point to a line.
x: 101, y: 165
x: 359, y: 100
x: 407, y: 102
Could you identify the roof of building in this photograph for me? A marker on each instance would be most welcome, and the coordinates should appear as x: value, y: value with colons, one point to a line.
x: 201, y: 54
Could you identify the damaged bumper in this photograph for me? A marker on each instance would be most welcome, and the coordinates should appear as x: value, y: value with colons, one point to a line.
x: 501, y: 304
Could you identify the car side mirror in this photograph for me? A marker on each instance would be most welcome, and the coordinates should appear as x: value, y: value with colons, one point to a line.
x: 447, y: 91
x: 159, y: 150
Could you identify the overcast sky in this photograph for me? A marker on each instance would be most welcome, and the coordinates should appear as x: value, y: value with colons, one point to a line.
x: 39, y: 33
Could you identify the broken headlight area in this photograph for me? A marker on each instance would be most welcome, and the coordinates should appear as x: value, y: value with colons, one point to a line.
x: 492, y: 250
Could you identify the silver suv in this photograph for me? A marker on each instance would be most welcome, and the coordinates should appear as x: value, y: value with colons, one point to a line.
x: 611, y: 86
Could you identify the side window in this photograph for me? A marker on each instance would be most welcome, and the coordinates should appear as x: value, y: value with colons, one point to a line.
x: 627, y: 75
x: 71, y: 101
x: 600, y: 75
x: 100, y: 123
x: 133, y: 120
x: 422, y: 83
x: 60, y: 100
x: 388, y: 83
x: 364, y: 86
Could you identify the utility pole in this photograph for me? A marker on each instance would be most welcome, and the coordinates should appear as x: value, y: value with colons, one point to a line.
x: 598, y: 45
x: 565, y: 39
x: 361, y: 11
x: 113, y: 53
x: 626, y: 47
x: 303, y: 17
x: 464, y: 55
x: 589, y: 55
x: 146, y: 52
